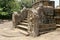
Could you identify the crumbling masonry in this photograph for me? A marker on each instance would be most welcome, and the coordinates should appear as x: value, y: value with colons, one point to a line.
x: 36, y: 20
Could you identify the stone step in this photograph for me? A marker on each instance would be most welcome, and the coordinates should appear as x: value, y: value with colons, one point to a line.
x: 23, y: 32
x: 25, y: 19
x: 57, y: 24
x: 23, y: 23
x: 22, y: 26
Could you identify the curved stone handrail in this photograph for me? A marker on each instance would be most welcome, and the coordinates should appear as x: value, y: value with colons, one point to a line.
x: 17, y: 17
x: 33, y: 20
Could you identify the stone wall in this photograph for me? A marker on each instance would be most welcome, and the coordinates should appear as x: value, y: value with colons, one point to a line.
x: 57, y: 16
x: 47, y: 27
x: 45, y: 3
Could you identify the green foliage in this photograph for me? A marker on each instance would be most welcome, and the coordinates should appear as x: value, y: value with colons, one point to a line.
x: 1, y: 9
x: 15, y: 6
x: 3, y: 13
x: 27, y: 3
x: 8, y: 6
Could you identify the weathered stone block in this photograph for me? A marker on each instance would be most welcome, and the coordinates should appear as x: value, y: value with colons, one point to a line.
x: 46, y: 27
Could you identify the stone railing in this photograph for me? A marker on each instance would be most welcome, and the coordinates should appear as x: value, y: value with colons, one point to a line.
x: 33, y: 22
x: 19, y: 16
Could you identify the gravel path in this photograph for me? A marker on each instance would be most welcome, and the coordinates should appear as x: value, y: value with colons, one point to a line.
x: 7, y: 32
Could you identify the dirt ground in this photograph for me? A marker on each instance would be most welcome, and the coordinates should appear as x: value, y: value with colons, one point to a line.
x: 7, y: 32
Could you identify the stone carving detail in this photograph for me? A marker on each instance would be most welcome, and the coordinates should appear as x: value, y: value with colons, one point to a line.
x: 33, y: 19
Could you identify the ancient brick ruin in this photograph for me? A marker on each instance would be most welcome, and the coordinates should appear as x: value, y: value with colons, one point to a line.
x: 36, y: 20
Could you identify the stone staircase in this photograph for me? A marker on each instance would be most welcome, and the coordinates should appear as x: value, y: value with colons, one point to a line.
x: 23, y: 27
x: 29, y: 20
